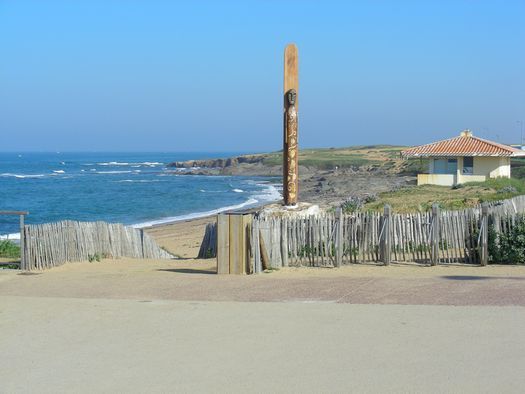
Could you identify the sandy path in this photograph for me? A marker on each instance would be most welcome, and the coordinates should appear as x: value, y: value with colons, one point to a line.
x: 196, y: 280
x: 187, y: 278
x: 182, y: 238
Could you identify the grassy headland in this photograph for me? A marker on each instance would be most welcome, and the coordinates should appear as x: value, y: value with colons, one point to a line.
x: 384, y: 158
x: 375, y: 174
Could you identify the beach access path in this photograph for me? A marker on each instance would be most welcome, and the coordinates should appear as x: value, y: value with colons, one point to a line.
x: 160, y: 326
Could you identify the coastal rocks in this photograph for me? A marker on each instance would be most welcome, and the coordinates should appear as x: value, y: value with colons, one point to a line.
x: 217, y: 163
x: 326, y: 188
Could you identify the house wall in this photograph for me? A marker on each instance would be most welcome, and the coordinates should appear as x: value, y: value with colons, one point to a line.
x: 436, y: 179
x: 484, y: 168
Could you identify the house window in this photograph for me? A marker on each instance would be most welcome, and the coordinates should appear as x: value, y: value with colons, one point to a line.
x: 445, y: 166
x: 468, y: 165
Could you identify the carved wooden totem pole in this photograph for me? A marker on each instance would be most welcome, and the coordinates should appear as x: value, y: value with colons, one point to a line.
x: 290, y: 148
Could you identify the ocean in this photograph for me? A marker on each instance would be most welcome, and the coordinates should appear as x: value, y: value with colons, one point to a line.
x: 131, y: 188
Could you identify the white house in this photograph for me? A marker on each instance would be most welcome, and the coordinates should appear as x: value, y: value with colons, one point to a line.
x: 463, y: 159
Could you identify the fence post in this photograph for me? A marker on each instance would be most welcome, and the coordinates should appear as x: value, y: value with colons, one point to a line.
x: 435, y: 234
x: 338, y: 237
x: 22, y: 244
x: 142, y: 242
x: 223, y: 244
x: 284, y: 242
x: 385, y: 242
x: 484, y: 234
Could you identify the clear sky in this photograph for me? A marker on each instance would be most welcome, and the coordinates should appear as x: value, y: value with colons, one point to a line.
x: 202, y: 76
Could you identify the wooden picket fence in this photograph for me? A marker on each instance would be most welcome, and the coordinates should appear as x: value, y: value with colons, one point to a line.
x: 208, y: 246
x: 53, y: 244
x: 436, y: 237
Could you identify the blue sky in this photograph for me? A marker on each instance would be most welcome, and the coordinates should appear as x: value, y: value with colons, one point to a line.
x: 193, y: 76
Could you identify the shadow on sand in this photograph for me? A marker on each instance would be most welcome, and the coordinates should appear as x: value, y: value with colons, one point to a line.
x: 474, y: 277
x: 189, y: 271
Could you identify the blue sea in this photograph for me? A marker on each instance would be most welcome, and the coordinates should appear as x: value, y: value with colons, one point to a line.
x: 131, y: 188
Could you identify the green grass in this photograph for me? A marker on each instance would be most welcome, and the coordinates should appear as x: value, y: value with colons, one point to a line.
x: 518, y: 168
x: 499, y: 184
x: 385, y: 156
x: 421, y: 198
x: 9, y: 249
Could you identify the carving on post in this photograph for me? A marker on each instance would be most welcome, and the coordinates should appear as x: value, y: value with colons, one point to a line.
x: 290, y: 148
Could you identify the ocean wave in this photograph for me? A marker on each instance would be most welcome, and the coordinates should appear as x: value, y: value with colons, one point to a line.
x: 270, y: 193
x: 113, y: 163
x: 267, y: 195
x: 238, y: 190
x: 196, y: 215
x: 11, y: 237
x: 118, y: 163
x: 59, y: 171
x: 138, y: 181
x: 113, y: 172
x: 8, y: 174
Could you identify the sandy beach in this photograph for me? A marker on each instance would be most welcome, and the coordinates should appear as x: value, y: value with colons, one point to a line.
x: 182, y: 239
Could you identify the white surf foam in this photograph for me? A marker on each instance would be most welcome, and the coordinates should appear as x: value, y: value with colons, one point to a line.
x: 22, y: 176
x: 113, y: 172
x: 238, y: 190
x: 113, y: 163
x: 270, y: 193
x: 11, y: 237
x: 196, y: 215
x: 59, y: 171
x: 119, y: 163
x: 137, y: 181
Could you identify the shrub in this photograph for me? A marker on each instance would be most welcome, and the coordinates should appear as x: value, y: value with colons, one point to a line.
x: 507, y: 248
x: 500, y: 184
x: 355, y: 203
x: 9, y: 249
x: 508, y: 189
x: 94, y: 257
x: 352, y: 204
x: 511, y: 246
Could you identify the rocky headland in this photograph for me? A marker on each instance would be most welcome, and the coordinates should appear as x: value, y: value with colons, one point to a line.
x: 327, y: 176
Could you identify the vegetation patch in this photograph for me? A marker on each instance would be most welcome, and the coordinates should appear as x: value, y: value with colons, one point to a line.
x: 507, y: 247
x: 380, y: 156
x: 421, y: 198
x: 9, y: 249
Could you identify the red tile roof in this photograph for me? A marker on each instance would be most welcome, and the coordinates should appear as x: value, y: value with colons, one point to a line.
x: 464, y: 145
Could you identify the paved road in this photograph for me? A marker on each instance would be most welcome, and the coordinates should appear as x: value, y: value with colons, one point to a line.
x: 155, y: 327
x: 54, y: 345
